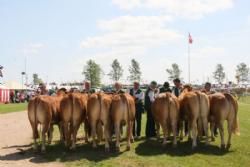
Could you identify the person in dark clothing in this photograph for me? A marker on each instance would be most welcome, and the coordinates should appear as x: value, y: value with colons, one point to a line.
x: 165, y: 88
x: 177, y: 87
x: 149, y: 99
x: 137, y: 93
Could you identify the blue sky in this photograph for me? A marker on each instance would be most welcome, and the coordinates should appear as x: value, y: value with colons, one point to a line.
x: 57, y: 37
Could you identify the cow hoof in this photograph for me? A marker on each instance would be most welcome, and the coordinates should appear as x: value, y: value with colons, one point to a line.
x: 212, y: 139
x: 223, y: 147
x: 228, y: 146
x: 181, y: 138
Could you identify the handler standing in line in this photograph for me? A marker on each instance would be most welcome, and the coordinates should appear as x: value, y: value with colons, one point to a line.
x: 150, y: 95
x: 137, y: 93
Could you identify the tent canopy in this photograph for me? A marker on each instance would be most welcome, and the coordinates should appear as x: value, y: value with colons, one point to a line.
x: 15, y: 85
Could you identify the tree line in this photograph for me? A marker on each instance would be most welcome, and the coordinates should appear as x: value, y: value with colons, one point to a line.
x: 93, y: 72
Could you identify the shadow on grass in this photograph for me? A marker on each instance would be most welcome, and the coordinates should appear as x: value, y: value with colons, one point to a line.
x: 57, y: 152
x: 154, y: 147
x: 143, y: 147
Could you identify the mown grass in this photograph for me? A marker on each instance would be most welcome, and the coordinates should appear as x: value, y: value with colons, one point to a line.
x: 6, y: 108
x: 151, y: 153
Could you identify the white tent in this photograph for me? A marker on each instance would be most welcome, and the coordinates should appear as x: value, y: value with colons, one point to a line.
x: 15, y: 85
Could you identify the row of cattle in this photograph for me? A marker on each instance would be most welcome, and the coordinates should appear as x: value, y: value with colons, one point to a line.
x: 103, y: 115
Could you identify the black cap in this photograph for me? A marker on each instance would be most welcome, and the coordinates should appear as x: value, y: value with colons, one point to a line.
x: 166, y: 84
x: 177, y: 80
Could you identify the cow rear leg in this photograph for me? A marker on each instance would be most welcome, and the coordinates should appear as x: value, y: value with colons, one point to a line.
x: 165, y: 133
x: 50, y: 134
x: 66, y: 134
x: 181, y: 129
x: 93, y: 133
x: 99, y: 132
x: 107, y: 137
x: 174, y: 129
x: 205, y: 127
x: 117, y: 134
x: 221, y: 129
x: 212, y: 126
x: 229, y: 128
x: 129, y: 132
x: 45, y: 129
x: 75, y: 130
x: 35, y: 136
x: 194, y: 134
x: 157, y: 130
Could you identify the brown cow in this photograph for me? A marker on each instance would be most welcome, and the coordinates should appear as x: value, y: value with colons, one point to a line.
x: 73, y: 113
x: 98, y: 112
x: 194, y: 107
x: 165, y: 110
x: 123, y: 113
x: 224, y: 107
x: 44, y: 110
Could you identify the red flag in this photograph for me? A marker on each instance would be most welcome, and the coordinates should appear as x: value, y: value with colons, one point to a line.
x: 190, y: 39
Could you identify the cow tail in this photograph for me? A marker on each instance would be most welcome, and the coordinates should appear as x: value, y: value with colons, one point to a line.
x: 36, y: 134
x: 200, y: 127
x: 234, y: 104
x: 72, y: 110
x: 99, y: 126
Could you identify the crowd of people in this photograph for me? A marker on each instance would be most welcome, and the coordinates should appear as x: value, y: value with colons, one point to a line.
x: 144, y: 100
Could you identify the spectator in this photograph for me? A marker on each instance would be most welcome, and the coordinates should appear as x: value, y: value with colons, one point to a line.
x: 118, y: 88
x: 137, y: 93
x: 149, y: 99
x: 165, y: 88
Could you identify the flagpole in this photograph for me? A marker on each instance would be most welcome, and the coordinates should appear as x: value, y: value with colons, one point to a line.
x: 188, y: 62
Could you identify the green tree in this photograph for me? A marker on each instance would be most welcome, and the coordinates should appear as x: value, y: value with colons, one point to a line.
x: 135, y: 71
x: 219, y: 74
x: 242, y: 72
x: 92, y: 72
x: 36, y: 79
x: 174, y: 72
x: 116, y: 71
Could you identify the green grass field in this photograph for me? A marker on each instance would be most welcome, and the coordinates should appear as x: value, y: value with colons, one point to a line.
x: 151, y: 153
x: 6, y: 108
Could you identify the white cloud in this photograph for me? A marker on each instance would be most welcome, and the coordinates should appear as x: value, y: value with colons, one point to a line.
x: 185, y: 9
x: 32, y: 48
x: 132, y: 31
x: 128, y: 37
